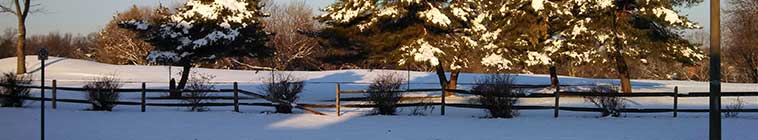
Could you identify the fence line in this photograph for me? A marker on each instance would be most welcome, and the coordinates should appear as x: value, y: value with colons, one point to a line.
x: 306, y: 106
x: 557, y: 94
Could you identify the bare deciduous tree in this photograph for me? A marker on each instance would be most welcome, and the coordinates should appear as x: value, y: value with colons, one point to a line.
x: 121, y: 46
x: 293, y: 49
x: 742, y: 45
x: 21, y: 9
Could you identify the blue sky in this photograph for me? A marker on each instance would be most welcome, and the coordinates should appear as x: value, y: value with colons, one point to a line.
x: 87, y: 16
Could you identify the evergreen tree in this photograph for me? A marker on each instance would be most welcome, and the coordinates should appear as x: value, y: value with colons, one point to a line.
x: 516, y: 34
x: 404, y: 32
x: 543, y: 32
x: 612, y: 32
x: 203, y: 31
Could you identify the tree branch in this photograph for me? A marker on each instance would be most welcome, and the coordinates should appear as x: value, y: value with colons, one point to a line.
x: 6, y: 9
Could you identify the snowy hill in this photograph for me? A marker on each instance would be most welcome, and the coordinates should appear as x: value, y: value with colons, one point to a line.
x: 161, y: 123
x: 68, y: 70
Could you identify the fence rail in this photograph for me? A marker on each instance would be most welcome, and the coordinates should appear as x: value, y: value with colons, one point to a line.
x: 307, y: 106
x: 143, y: 103
x: 556, y: 95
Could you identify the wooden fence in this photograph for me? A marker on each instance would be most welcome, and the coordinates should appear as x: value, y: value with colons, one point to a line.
x: 339, y: 91
x: 556, y: 95
x: 143, y: 103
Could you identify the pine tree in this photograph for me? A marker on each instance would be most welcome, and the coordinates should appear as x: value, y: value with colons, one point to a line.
x: 609, y: 31
x: 203, y: 31
x: 516, y: 34
x: 404, y: 32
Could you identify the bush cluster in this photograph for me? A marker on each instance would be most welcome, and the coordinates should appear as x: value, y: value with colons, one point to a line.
x: 497, y: 95
x: 609, y: 105
x: 198, y: 85
x: 11, y: 92
x: 103, y: 93
x: 382, y: 93
x: 285, y: 88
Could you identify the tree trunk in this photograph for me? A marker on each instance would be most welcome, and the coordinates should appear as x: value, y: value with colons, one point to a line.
x: 554, y: 77
x: 621, y: 67
x: 453, y: 83
x: 185, y: 75
x: 21, y: 46
x: 444, y: 83
x: 623, y: 70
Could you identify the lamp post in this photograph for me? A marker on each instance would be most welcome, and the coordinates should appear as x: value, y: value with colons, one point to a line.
x: 42, y: 56
x: 714, y: 115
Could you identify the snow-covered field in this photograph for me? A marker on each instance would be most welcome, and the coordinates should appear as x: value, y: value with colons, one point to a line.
x: 69, y: 121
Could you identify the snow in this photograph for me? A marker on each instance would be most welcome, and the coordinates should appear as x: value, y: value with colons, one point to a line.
x: 668, y: 15
x: 537, y: 58
x: 496, y: 60
x: 156, y: 56
x: 605, y: 3
x: 434, y: 15
x: 344, y: 14
x: 69, y: 121
x: 538, y: 5
x: 389, y: 11
x: 85, y: 125
x: 424, y: 53
x: 213, y: 11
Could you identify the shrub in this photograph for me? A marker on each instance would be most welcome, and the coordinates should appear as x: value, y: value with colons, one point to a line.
x: 198, y: 98
x: 609, y: 105
x: 426, y: 107
x: 732, y: 110
x: 102, y: 93
x: 12, y: 94
x: 497, y: 95
x: 285, y: 88
x: 381, y: 93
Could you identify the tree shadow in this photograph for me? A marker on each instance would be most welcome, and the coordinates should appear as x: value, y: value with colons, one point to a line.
x: 47, y: 64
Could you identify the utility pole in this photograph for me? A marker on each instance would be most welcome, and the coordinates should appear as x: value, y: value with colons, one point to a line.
x: 714, y: 115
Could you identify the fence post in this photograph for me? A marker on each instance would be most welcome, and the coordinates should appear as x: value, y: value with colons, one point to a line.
x: 55, y: 96
x: 557, y: 105
x: 676, y: 100
x: 442, y: 107
x: 337, y: 100
x: 236, y: 98
x: 142, y: 105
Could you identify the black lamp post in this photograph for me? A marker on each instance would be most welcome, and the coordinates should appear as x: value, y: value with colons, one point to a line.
x: 42, y: 56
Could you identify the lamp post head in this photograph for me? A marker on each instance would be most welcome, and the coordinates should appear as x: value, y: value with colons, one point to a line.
x: 42, y: 54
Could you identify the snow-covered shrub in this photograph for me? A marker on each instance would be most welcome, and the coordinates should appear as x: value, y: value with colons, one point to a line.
x: 102, y: 93
x: 609, y: 105
x: 11, y: 94
x: 732, y: 110
x: 497, y: 95
x: 284, y: 88
x: 382, y: 93
x: 196, y: 99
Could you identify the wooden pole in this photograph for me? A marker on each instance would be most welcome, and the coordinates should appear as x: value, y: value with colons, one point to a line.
x: 236, y: 98
x: 676, y: 100
x: 714, y: 114
x: 337, y: 100
x: 557, y: 105
x: 55, y: 92
x: 142, y: 105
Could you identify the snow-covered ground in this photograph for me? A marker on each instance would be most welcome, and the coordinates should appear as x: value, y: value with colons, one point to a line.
x: 69, y: 121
